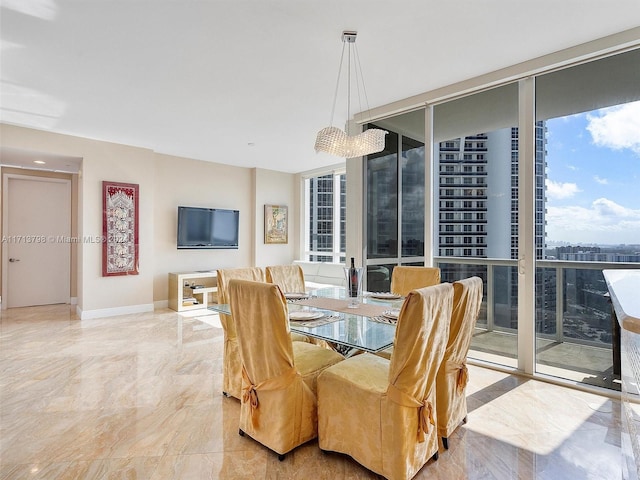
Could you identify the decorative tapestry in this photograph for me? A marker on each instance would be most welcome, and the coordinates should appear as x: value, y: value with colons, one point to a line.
x: 120, y: 229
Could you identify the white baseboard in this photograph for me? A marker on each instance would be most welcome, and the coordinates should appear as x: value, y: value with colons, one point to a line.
x: 112, y: 312
x: 161, y: 304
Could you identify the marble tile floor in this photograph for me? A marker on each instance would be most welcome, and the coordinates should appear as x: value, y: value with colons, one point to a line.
x: 139, y: 397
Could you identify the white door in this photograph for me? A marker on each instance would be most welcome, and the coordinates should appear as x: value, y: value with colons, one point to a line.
x: 36, y: 240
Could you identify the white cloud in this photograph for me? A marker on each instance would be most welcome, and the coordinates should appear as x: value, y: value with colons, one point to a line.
x: 44, y: 9
x: 559, y: 190
x: 616, y: 127
x: 604, y: 221
x: 601, y: 181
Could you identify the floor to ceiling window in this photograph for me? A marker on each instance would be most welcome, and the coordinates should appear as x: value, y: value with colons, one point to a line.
x: 395, y: 194
x: 535, y: 191
x: 325, y: 218
x: 592, y: 212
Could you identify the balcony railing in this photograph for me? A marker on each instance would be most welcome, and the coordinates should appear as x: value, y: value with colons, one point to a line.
x: 571, y: 308
x: 565, y: 291
x: 573, y: 323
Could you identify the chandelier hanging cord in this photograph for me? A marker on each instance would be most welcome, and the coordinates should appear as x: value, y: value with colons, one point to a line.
x: 335, y: 94
x: 361, y: 79
x: 349, y: 78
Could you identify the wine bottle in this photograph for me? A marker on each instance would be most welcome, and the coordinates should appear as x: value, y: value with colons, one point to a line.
x: 353, y: 280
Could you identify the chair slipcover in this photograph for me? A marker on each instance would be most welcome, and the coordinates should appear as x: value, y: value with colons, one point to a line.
x: 290, y: 278
x: 278, y: 405
x: 380, y: 412
x: 452, y: 377
x: 407, y: 278
x: 231, y: 365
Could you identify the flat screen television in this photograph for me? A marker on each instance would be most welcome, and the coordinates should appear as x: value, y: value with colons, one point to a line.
x: 207, y: 228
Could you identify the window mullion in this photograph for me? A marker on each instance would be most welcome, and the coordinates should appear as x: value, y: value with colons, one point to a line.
x: 526, y: 227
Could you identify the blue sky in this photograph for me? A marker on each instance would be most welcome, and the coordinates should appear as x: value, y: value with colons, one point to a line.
x: 593, y: 177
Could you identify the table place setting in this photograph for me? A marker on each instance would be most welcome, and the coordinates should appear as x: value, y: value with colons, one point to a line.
x: 312, y: 318
x: 301, y: 316
x: 388, y: 316
x: 384, y: 295
x: 295, y: 296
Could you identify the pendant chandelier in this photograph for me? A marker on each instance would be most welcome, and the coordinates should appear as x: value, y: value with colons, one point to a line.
x: 331, y: 139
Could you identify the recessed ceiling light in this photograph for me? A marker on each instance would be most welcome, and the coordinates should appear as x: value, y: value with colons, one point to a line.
x: 39, y: 162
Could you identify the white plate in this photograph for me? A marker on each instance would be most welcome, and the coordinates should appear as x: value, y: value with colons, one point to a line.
x: 392, y: 314
x: 385, y: 296
x: 305, y: 315
x: 295, y: 296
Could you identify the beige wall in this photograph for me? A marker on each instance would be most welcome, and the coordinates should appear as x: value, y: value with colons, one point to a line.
x: 275, y: 188
x: 165, y: 182
x: 101, y: 161
x: 194, y: 183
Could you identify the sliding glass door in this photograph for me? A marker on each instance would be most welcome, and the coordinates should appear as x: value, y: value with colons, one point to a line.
x: 476, y: 158
x: 591, y: 114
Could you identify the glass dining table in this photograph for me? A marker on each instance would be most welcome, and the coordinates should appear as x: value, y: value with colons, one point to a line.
x: 325, y: 314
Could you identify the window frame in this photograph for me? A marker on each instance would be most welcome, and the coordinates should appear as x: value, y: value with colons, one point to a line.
x: 337, y: 255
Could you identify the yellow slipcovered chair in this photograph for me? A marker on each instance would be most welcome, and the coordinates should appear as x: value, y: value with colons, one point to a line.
x: 290, y: 278
x: 278, y: 406
x: 407, y: 278
x: 382, y: 412
x: 452, y: 377
x: 231, y: 368
x: 231, y: 365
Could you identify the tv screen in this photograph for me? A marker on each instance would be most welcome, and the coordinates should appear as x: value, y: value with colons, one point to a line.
x: 207, y: 228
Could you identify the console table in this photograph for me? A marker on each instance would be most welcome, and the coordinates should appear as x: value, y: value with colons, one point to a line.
x: 182, y: 294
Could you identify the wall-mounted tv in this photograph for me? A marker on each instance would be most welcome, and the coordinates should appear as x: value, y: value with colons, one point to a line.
x: 207, y: 228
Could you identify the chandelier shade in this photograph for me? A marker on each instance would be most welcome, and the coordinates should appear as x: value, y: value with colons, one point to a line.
x: 335, y: 141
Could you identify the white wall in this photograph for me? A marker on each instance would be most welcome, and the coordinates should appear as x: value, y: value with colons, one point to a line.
x: 165, y: 182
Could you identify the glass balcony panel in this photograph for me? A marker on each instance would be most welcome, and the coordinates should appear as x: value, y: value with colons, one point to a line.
x: 573, y: 317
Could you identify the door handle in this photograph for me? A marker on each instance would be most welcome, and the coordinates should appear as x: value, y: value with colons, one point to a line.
x: 14, y: 260
x: 521, y: 267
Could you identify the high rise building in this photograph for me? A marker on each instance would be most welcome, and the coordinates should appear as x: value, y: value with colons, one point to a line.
x: 478, y: 195
x: 478, y: 213
x: 327, y: 195
x: 462, y: 200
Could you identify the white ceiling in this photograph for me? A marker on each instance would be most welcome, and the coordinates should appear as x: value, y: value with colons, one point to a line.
x: 249, y: 83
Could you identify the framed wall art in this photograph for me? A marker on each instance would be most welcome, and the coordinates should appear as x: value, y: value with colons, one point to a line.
x: 120, y: 229
x: 276, y: 224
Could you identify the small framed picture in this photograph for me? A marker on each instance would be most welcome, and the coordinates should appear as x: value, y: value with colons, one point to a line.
x: 276, y: 224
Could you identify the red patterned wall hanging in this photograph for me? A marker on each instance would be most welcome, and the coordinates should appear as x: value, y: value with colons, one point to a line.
x: 120, y: 229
